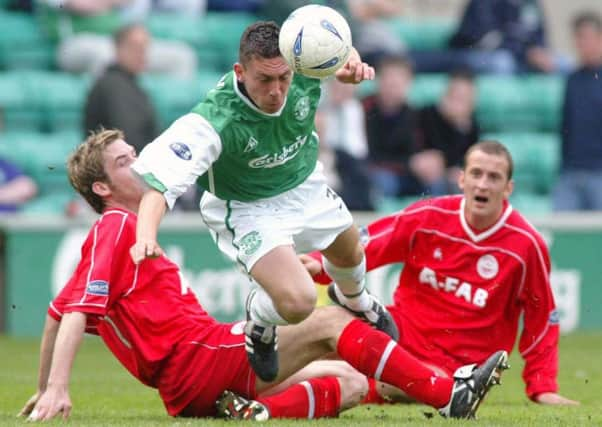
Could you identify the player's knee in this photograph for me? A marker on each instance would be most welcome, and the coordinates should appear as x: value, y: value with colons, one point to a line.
x: 354, y: 388
x: 297, y: 306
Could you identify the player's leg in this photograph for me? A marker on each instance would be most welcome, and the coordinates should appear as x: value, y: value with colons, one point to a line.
x: 258, y: 237
x: 322, y: 389
x: 329, y: 228
x: 376, y: 355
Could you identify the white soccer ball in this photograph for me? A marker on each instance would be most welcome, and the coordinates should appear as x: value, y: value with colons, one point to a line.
x: 315, y: 41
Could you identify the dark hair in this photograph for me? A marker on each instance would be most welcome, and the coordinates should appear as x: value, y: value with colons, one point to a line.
x: 395, y: 60
x: 122, y: 33
x: 587, y: 18
x: 493, y: 148
x: 259, y: 40
x: 462, y: 74
x: 86, y: 165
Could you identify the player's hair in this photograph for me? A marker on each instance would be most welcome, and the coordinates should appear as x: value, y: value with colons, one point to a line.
x: 587, y: 18
x: 493, y: 148
x: 395, y: 60
x: 86, y: 165
x: 259, y: 40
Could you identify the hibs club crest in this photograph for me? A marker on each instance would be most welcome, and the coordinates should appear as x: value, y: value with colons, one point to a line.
x: 250, y: 242
x: 302, y: 108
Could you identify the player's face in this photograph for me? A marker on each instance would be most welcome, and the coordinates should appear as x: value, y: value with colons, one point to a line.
x: 485, y: 184
x: 124, y: 188
x: 266, y: 80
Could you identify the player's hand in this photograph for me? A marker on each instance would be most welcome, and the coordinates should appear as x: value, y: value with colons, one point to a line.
x: 31, y: 403
x: 554, y: 399
x: 50, y: 404
x: 312, y: 265
x: 145, y: 249
x: 354, y: 71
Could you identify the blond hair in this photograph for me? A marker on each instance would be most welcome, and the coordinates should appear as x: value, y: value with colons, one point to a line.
x: 86, y: 165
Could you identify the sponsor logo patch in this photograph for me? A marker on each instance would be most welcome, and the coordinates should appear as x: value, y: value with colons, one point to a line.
x: 250, y: 242
x: 554, y: 318
x: 487, y: 266
x: 98, y: 287
x: 181, y: 150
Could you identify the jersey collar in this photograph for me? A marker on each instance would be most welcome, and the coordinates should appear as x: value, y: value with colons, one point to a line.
x: 251, y: 105
x: 477, y: 237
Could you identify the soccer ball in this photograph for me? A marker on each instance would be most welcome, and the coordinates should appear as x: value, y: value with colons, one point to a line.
x: 315, y: 41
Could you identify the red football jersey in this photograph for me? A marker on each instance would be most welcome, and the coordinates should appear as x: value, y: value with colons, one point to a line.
x: 462, y: 292
x: 141, y: 312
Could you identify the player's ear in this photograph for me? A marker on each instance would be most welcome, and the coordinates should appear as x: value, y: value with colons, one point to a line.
x: 461, y: 180
x: 238, y: 70
x: 509, y: 189
x: 101, y: 188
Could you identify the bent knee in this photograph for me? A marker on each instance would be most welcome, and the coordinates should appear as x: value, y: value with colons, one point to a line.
x: 354, y: 388
x: 297, y: 307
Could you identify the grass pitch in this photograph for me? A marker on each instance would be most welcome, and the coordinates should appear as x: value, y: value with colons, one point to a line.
x: 104, y: 394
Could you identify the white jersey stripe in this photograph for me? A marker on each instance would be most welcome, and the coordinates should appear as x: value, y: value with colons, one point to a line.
x: 211, y: 347
x: 53, y: 308
x: 118, y: 332
x: 91, y: 262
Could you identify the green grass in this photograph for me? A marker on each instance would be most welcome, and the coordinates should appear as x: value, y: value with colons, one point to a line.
x: 104, y: 394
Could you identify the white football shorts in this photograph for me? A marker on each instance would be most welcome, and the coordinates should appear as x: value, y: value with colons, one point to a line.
x: 309, y: 217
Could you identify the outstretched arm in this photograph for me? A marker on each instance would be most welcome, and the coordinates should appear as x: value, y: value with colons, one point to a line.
x: 151, y: 211
x: 355, y: 71
x: 55, y: 398
x: 51, y: 328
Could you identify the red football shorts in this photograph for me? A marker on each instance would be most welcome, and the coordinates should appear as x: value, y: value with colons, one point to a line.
x: 200, y: 370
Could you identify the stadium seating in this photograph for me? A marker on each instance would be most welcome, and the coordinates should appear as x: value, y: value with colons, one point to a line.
x: 42, y: 107
x: 22, y: 43
x: 536, y: 159
x: 425, y: 34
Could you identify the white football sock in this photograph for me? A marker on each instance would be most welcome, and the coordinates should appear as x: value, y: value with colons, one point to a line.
x: 350, y: 284
x: 262, y: 310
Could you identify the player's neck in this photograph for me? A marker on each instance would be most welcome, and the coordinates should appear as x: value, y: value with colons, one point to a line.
x: 114, y: 204
x: 481, y: 223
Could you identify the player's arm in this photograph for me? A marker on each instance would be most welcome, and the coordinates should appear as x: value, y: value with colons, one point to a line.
x: 51, y: 328
x: 169, y: 166
x: 539, y: 339
x: 55, y: 398
x: 150, y: 212
x: 355, y: 71
x: 386, y: 241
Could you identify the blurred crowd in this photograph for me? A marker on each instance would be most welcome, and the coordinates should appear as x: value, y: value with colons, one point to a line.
x: 375, y: 146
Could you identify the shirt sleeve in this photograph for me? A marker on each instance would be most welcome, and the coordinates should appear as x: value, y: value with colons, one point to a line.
x: 56, y: 307
x: 181, y: 154
x: 539, y: 339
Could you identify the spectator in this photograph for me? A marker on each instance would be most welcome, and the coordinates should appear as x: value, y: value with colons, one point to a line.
x: 579, y: 185
x: 391, y: 129
x: 449, y: 128
x: 372, y: 36
x: 345, y: 133
x: 251, y: 6
x: 116, y: 100
x: 497, y: 36
x: 16, y: 188
x: 83, y: 29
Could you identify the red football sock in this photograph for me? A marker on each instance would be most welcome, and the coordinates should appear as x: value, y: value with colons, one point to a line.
x: 315, y: 398
x: 376, y: 355
x: 373, y: 396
